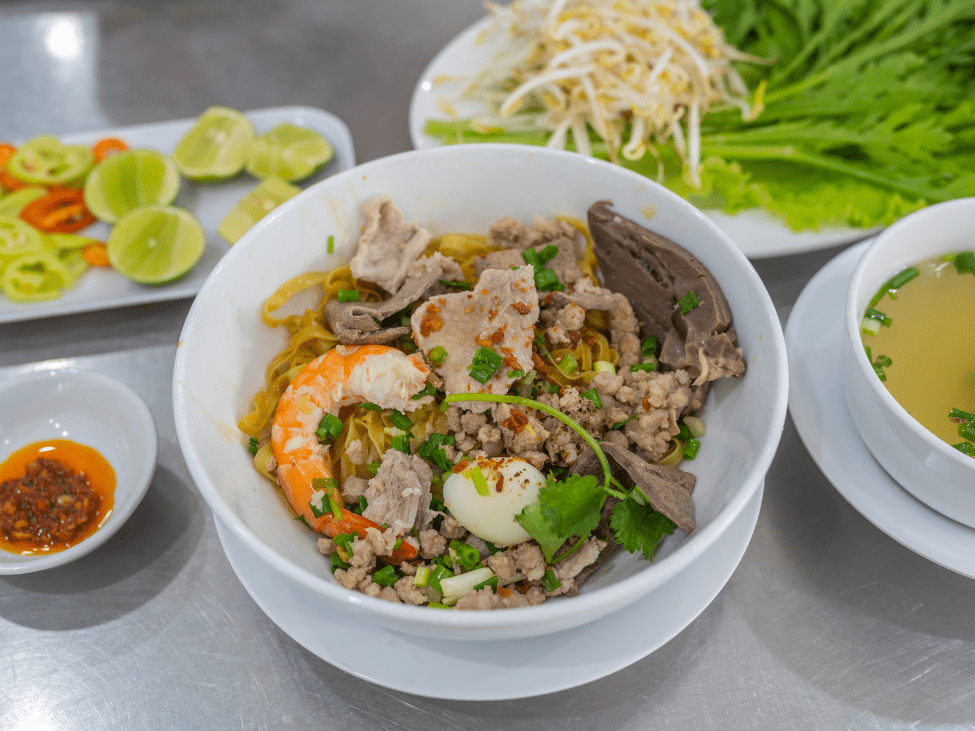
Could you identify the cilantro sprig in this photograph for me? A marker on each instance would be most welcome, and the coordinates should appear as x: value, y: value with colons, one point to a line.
x: 572, y: 506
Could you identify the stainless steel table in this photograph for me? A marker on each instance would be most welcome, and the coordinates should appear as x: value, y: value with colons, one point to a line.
x: 827, y: 623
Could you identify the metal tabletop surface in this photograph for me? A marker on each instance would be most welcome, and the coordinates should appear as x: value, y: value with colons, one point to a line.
x: 827, y: 623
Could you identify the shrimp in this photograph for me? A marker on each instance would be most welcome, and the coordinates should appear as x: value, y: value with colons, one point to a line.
x: 342, y: 376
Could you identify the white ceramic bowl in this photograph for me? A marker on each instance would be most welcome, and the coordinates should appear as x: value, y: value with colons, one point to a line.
x: 91, y: 409
x: 225, y: 348
x: 933, y: 471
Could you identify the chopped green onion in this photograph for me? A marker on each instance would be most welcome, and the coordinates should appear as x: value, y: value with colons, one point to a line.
x: 568, y: 365
x: 621, y: 424
x: 457, y: 285
x: 302, y: 519
x: 336, y: 562
x: 691, y: 448
x: 593, y: 395
x: 400, y: 420
x: 965, y: 262
x: 436, y: 504
x: 881, y: 362
x: 362, y: 504
x: 683, y: 431
x: 386, y: 576
x: 492, y: 582
x: 428, y: 390
x: 548, y: 253
x: 550, y: 581
x: 402, y: 443
x: 539, y: 341
x: 532, y: 258
x: 484, y: 365
x: 454, y: 587
x: 438, y: 355
x: 959, y: 415
x: 345, y: 541
x: 604, y: 366
x: 491, y: 547
x: 869, y: 327
x: 317, y: 503
x: 422, y: 576
x: 689, y: 301
x: 347, y: 295
x: 649, y: 346
x: 465, y: 555
x: 546, y: 280
x: 432, y: 450
x: 872, y: 314
x: 438, y: 573
x: 328, y: 428
x: 331, y: 244
x: 695, y: 425
x: 373, y: 467
x: 649, y: 367
x: 252, y: 445
x: 437, y: 605
x: 519, y: 373
x: 480, y: 484
x: 370, y: 406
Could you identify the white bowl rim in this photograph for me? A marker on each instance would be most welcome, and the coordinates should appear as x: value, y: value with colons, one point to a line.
x: 657, y: 572
x: 140, y: 480
x: 865, y: 264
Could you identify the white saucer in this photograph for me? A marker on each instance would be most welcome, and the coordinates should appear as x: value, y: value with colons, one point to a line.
x: 814, y: 339
x: 51, y: 400
x: 492, y: 670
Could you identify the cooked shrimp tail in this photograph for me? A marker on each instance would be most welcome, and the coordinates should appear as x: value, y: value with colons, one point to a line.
x: 344, y: 375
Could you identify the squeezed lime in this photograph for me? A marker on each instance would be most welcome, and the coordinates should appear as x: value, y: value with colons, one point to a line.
x: 216, y: 146
x: 127, y: 180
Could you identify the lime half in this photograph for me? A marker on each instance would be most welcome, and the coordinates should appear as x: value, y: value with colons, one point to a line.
x: 288, y: 152
x: 127, y: 180
x: 156, y: 244
x: 216, y: 146
x: 264, y: 198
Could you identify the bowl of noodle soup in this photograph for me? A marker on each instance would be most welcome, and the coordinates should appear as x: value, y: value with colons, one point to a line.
x: 227, y: 345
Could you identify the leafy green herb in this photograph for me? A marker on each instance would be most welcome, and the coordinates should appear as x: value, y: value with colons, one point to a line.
x: 639, y: 527
x: 252, y: 445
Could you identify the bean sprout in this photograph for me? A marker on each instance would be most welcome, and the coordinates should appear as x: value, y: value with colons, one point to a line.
x: 637, y: 73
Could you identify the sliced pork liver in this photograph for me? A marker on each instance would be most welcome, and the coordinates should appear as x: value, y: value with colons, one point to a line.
x: 654, y: 273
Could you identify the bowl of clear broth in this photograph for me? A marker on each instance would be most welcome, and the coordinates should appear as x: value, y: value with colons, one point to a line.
x: 909, y: 366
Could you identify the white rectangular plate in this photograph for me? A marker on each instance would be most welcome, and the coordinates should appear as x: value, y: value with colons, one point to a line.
x: 102, y: 289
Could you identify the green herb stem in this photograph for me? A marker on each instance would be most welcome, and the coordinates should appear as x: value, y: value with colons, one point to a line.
x: 545, y: 409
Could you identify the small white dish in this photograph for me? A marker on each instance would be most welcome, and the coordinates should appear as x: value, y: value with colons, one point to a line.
x: 814, y: 337
x: 482, y: 671
x: 88, y: 408
x: 932, y: 470
x: 757, y: 233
